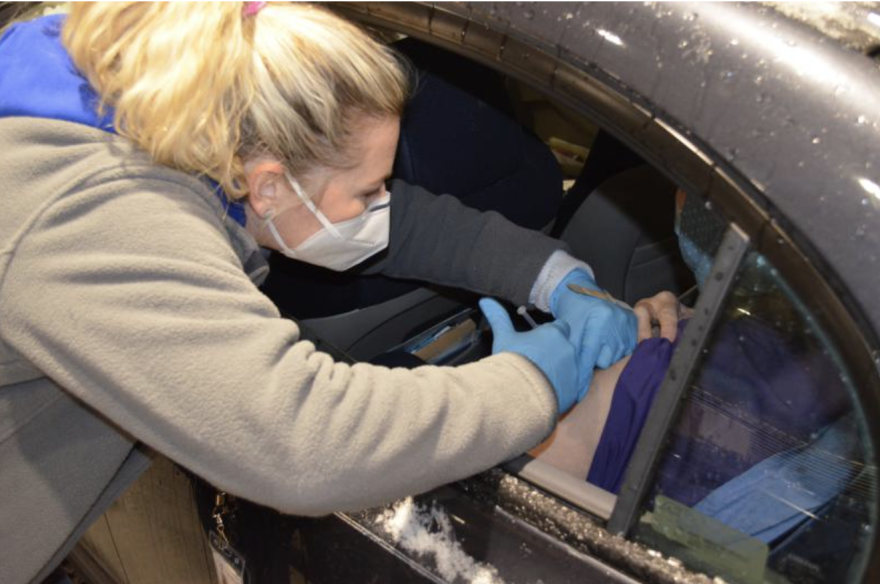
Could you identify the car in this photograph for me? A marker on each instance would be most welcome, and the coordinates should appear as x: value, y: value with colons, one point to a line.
x: 768, y: 116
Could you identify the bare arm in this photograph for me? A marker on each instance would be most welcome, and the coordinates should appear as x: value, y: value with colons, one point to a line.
x: 573, y: 444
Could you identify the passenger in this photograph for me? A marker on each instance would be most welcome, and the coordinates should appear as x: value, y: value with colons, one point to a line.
x: 148, y: 150
x: 782, y: 412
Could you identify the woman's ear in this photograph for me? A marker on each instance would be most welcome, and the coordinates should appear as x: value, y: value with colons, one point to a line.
x: 263, y: 184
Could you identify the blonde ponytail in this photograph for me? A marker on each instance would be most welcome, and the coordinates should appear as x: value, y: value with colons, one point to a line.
x: 200, y: 85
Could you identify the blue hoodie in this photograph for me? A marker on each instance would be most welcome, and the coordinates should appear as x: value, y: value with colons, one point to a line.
x: 38, y: 80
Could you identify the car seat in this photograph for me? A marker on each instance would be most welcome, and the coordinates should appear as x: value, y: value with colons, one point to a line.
x: 624, y: 230
x: 458, y: 137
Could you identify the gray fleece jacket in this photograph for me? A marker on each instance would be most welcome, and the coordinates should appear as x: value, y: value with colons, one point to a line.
x: 127, y: 316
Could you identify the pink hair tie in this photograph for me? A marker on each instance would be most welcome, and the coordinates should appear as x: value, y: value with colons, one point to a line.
x: 251, y: 8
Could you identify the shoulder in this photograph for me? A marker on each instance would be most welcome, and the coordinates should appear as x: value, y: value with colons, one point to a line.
x: 70, y: 154
x: 95, y: 184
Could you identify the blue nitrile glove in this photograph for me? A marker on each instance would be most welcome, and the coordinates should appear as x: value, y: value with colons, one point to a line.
x: 602, y: 331
x: 547, y: 347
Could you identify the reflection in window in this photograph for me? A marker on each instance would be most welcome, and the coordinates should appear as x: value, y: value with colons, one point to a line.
x: 766, y: 475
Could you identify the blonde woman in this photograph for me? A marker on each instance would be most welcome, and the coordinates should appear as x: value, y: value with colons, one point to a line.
x: 149, y: 149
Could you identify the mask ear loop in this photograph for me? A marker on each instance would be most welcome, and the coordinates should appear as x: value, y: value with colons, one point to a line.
x: 311, y: 206
x: 278, y: 239
x: 271, y: 213
x: 294, y: 184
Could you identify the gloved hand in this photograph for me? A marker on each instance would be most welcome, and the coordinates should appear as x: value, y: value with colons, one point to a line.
x: 602, y: 331
x: 547, y: 347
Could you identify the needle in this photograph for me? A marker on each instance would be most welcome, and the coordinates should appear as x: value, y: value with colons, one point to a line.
x: 524, y: 313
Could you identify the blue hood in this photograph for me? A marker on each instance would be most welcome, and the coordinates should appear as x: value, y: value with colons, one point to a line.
x: 38, y: 80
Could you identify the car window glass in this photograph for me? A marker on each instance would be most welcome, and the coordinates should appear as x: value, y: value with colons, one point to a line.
x: 766, y: 475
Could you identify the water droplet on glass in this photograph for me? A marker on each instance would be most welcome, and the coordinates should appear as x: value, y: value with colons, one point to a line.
x: 708, y: 205
x: 862, y: 120
x: 682, y: 44
x: 569, y: 16
x: 865, y: 202
x: 759, y: 79
x: 529, y: 14
x: 816, y: 140
x: 727, y: 75
x: 689, y: 16
x: 734, y: 42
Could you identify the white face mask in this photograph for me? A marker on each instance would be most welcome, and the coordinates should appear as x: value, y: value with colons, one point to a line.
x: 339, y: 246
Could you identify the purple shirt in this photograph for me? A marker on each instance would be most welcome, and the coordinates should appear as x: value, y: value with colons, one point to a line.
x: 750, y: 386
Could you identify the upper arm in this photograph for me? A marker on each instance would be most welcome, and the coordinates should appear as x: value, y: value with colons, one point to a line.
x: 131, y: 298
